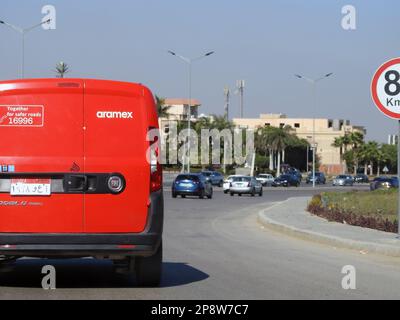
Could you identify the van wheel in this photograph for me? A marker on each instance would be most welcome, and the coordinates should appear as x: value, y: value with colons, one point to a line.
x: 174, y: 195
x: 261, y: 193
x: 221, y: 184
x: 232, y: 194
x: 210, y: 195
x: 253, y: 193
x: 148, y: 270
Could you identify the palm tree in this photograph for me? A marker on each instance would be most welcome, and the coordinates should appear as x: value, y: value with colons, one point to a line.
x: 357, y: 140
x: 368, y: 154
x: 339, y: 143
x: 221, y: 123
x: 162, y: 109
x: 61, y: 69
x: 279, y: 139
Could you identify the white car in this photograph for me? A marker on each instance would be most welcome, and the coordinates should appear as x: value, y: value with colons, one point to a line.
x: 227, y: 183
x: 246, y: 185
x: 265, y: 179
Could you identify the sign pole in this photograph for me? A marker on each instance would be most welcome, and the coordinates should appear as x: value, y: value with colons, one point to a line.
x: 398, y: 176
x: 385, y: 90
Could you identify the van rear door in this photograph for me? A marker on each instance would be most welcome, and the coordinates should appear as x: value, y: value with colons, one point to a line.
x: 116, y: 126
x: 41, y: 130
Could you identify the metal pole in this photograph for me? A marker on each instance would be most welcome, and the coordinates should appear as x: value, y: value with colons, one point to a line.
x: 314, y: 146
x: 398, y: 176
x: 241, y: 100
x: 308, y: 154
x: 190, y: 114
x: 23, y: 55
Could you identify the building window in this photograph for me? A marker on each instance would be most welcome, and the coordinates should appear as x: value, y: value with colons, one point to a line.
x: 282, y: 125
x: 297, y: 125
x: 267, y: 124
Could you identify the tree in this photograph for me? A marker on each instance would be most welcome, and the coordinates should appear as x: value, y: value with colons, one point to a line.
x: 263, y: 144
x: 353, y: 139
x: 61, y: 69
x: 279, y: 139
x: 368, y: 153
x: 356, y: 140
x: 390, y: 156
x: 162, y: 109
x: 339, y: 143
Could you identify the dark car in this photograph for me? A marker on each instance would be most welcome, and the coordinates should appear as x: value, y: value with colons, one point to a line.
x: 215, y: 177
x: 361, y: 178
x: 319, y: 178
x: 384, y: 183
x: 192, y: 185
x: 286, y: 180
x: 295, y: 172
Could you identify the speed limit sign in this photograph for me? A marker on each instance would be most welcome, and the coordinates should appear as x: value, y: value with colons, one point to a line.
x: 386, y: 88
x: 385, y: 91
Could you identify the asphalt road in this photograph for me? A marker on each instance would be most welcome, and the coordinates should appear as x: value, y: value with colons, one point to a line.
x: 215, y: 249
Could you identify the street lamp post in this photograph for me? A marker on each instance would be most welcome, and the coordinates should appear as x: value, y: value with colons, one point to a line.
x: 189, y: 61
x: 314, y: 93
x: 23, y: 32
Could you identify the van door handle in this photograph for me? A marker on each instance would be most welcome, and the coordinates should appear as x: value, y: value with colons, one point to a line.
x: 76, y: 183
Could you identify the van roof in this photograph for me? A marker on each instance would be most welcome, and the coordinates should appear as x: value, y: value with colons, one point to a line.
x: 98, y: 84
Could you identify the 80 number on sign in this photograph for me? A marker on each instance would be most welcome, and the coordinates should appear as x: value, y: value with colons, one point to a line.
x: 385, y: 88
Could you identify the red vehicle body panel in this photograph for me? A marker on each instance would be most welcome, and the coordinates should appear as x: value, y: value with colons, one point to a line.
x: 73, y: 134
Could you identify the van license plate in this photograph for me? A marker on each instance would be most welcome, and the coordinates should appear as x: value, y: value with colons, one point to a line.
x: 30, y: 187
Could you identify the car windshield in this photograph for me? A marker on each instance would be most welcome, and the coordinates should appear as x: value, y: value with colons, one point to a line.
x: 317, y: 174
x: 263, y: 176
x: 341, y: 177
x: 187, y: 177
x: 241, y: 179
x: 207, y: 174
x: 285, y: 177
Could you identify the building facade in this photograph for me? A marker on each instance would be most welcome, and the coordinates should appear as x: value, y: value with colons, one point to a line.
x: 326, y: 130
x: 178, y: 110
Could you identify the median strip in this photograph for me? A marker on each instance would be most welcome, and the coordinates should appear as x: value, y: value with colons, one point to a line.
x: 290, y: 217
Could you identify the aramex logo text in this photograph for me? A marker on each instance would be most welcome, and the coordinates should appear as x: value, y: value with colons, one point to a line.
x: 114, y: 115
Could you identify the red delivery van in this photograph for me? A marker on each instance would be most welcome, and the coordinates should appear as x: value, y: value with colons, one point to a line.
x: 77, y: 178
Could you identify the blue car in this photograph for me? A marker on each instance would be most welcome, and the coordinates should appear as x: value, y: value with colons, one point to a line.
x: 192, y: 185
x: 216, y: 178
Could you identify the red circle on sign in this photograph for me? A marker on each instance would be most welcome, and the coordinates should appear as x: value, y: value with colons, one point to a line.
x: 374, y: 88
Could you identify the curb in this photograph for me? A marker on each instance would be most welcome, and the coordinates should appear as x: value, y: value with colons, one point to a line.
x: 369, y: 247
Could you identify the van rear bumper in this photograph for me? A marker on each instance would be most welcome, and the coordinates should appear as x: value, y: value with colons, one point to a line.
x: 83, y: 245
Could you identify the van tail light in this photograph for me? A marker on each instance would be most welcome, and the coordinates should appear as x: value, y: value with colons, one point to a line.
x: 155, y: 166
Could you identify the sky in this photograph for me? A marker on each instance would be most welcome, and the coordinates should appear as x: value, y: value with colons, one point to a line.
x: 262, y: 42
